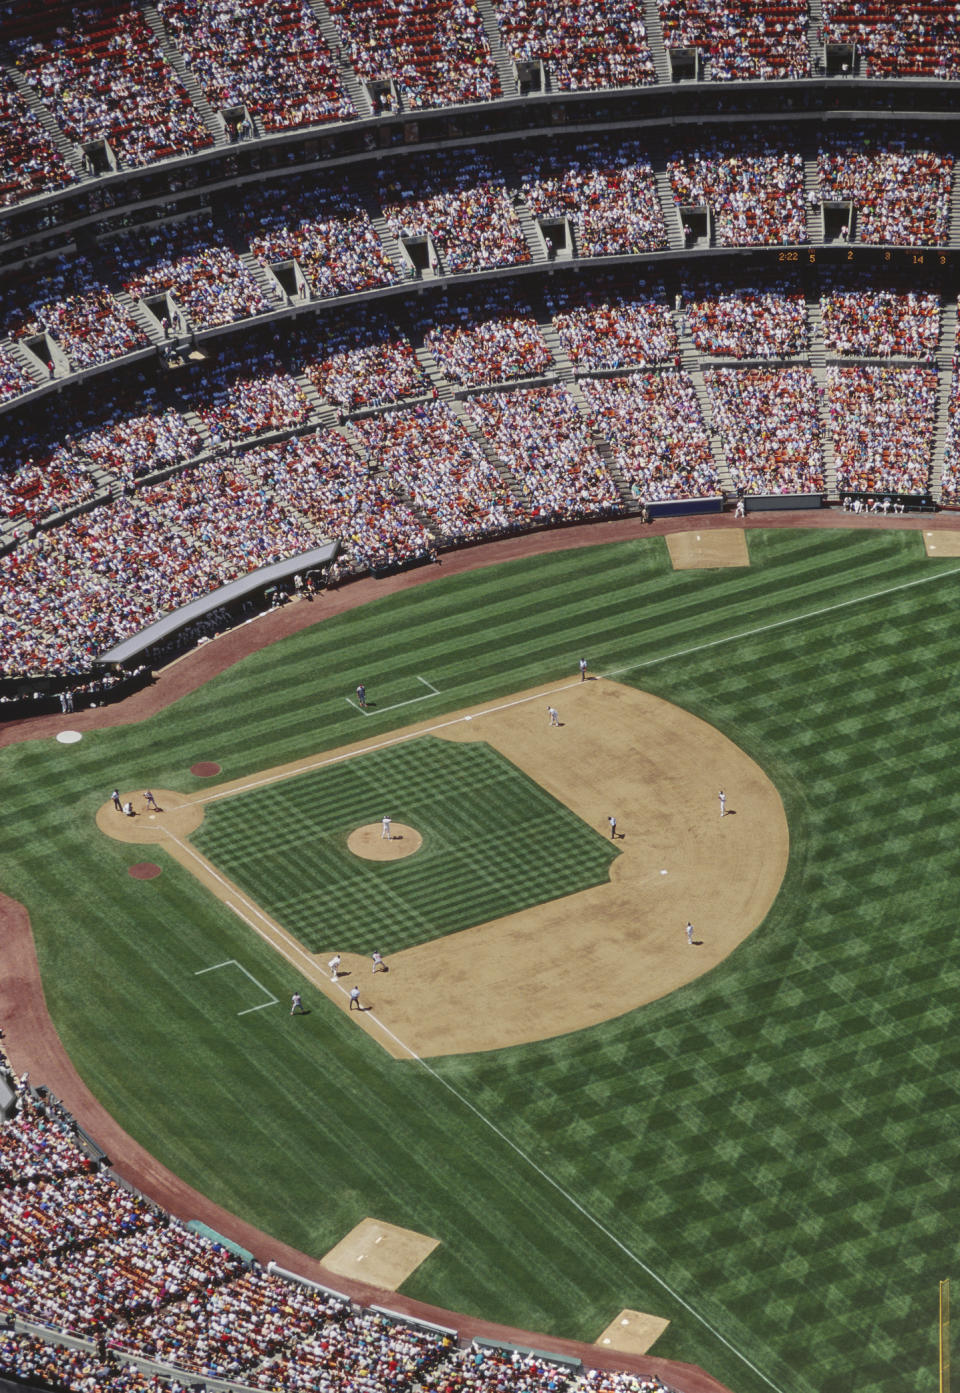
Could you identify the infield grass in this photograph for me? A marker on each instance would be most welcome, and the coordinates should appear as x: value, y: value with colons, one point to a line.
x: 767, y: 1157
x: 286, y: 846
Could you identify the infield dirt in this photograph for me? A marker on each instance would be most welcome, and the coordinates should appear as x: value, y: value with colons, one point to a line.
x: 576, y: 961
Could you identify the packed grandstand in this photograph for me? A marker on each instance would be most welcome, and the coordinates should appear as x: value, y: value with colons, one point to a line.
x: 403, y: 277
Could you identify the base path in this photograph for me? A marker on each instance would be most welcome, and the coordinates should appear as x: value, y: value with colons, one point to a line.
x: 575, y: 961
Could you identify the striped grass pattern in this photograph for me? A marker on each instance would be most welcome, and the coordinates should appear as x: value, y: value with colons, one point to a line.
x: 479, y: 816
x: 767, y: 1157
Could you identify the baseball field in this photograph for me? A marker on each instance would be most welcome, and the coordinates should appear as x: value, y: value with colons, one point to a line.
x: 751, y: 1138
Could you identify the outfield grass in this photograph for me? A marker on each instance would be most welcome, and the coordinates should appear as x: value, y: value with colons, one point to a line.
x: 766, y: 1157
x: 286, y: 846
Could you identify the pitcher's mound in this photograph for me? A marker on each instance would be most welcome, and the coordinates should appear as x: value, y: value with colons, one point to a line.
x: 370, y: 843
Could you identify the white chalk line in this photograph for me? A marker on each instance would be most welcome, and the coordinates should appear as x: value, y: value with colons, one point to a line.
x: 323, y: 761
x: 571, y: 1199
x: 782, y: 623
x: 232, y: 962
x: 381, y: 710
x: 519, y: 701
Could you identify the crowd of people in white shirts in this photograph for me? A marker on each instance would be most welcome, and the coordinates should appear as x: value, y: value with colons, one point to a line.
x: 68, y: 300
x: 754, y: 190
x: 101, y: 72
x: 877, y: 322
x: 363, y: 361
x: 614, y: 325
x: 429, y: 456
x: 655, y: 429
x: 269, y: 56
x: 882, y: 422
x: 544, y: 441
x: 769, y: 423
x: 900, y: 188
x: 327, y: 232
x: 435, y: 52
x: 257, y: 396
x: 30, y: 163
x: 486, y: 339
x: 192, y: 262
x: 583, y: 43
x: 462, y: 202
x: 740, y: 42
x: 919, y: 40
x: 609, y: 193
x: 322, y: 478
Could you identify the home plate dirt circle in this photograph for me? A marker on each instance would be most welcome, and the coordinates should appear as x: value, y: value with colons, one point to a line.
x: 370, y: 843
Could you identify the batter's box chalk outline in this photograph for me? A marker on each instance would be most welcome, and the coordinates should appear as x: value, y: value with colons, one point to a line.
x: 379, y: 710
x: 232, y: 962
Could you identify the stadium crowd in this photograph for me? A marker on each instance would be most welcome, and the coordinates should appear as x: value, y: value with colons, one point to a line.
x: 653, y: 424
x: 461, y: 202
x: 362, y: 361
x: 876, y: 322
x: 101, y: 72
x: 431, y: 458
x: 435, y: 53
x: 615, y: 326
x: 543, y: 440
x: 919, y: 40
x: 70, y: 302
x: 608, y: 193
x: 30, y: 163
x: 327, y: 232
x: 753, y: 187
x: 749, y: 322
x: 323, y: 479
x: 900, y: 189
x: 768, y: 419
x: 584, y: 43
x: 882, y: 421
x: 266, y: 55
x: 740, y: 42
x: 477, y: 342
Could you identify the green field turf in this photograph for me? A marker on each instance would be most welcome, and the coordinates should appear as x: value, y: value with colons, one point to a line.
x: 286, y: 846
x: 766, y: 1157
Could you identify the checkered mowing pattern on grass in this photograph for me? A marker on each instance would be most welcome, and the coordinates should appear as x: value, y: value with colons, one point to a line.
x: 494, y: 842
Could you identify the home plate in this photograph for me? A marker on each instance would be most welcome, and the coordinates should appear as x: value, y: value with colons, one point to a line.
x: 632, y: 1332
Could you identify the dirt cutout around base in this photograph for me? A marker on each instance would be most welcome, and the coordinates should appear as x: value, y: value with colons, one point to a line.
x: 380, y: 1253
x: 633, y: 1332
x: 707, y: 550
x: 942, y: 544
x: 370, y: 843
x: 582, y: 959
x: 177, y: 814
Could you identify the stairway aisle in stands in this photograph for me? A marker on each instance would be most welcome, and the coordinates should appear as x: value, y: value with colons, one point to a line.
x: 668, y: 204
x: 434, y: 372
x: 601, y: 444
x: 651, y: 18
x: 338, y: 47
x: 485, y: 448
x: 213, y: 120
x: 946, y: 352
x: 818, y: 366
x: 532, y: 235
x: 71, y: 154
x: 811, y: 200
x: 502, y: 60
x: 140, y: 315
x: 815, y: 36
x: 562, y: 364
x: 690, y: 362
x: 321, y: 411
